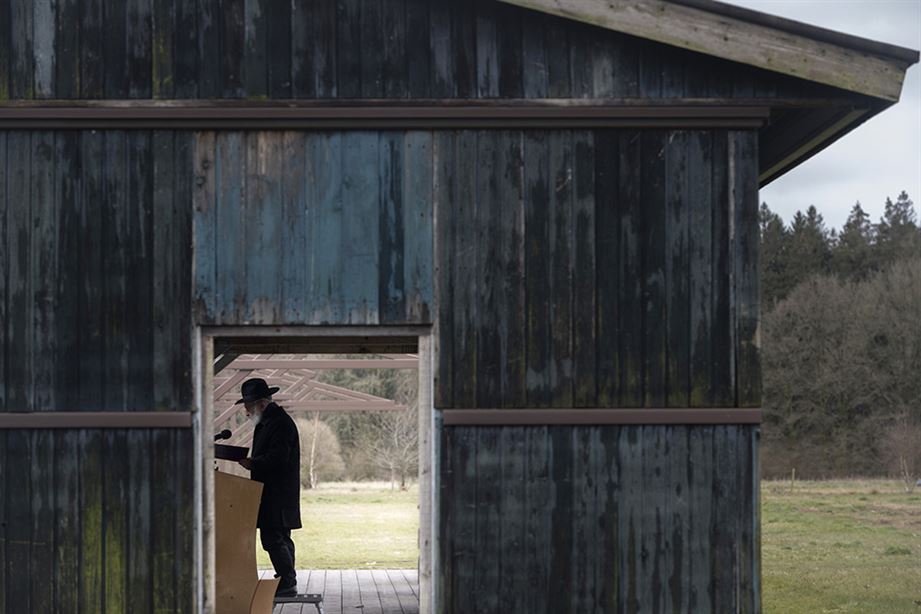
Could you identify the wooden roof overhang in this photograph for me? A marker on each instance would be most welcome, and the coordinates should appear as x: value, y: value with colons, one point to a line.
x: 869, y: 74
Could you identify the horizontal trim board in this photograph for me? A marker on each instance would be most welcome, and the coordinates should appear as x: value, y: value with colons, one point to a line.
x: 578, y: 417
x: 363, y: 117
x: 96, y: 420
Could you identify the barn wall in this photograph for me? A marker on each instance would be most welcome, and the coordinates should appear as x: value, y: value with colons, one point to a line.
x: 600, y: 519
x: 313, y: 228
x: 95, y: 280
x: 614, y: 268
x: 261, y: 49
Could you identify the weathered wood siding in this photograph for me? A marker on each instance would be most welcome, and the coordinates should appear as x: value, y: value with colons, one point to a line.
x: 613, y: 268
x: 345, y: 49
x: 600, y: 519
x: 313, y: 228
x: 95, y: 303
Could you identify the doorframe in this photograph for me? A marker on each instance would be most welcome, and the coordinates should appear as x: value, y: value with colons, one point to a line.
x: 203, y: 360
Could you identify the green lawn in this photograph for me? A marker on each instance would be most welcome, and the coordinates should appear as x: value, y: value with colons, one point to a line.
x: 836, y: 546
x: 356, y: 526
x: 841, y: 546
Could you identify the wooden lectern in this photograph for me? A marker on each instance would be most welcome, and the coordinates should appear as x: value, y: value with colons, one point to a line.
x: 239, y: 589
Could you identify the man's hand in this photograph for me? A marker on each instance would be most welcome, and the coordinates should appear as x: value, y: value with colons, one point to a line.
x: 246, y: 463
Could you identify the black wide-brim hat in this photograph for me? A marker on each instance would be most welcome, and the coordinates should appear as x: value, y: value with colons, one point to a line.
x: 255, y: 389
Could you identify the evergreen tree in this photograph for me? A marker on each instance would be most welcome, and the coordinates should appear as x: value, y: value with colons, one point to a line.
x: 854, y: 256
x: 897, y: 232
x: 809, y: 248
x: 774, y: 238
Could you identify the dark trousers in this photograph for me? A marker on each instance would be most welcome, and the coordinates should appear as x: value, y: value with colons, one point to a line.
x: 277, y: 542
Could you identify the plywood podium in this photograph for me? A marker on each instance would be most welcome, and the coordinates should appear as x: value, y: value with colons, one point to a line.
x: 236, y: 507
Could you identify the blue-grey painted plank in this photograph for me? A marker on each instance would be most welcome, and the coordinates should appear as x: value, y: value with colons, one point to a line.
x: 417, y: 227
x: 391, y: 277
x: 324, y: 171
x: 44, y: 15
x: 231, y: 240
x: 262, y: 221
x: 294, y: 247
x: 205, y: 206
x: 360, y: 219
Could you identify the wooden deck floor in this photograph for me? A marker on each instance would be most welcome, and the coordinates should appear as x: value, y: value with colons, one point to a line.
x: 363, y: 591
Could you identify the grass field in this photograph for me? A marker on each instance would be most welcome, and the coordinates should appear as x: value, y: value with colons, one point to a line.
x: 835, y: 546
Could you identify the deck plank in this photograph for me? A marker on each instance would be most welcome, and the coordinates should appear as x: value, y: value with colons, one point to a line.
x: 370, y: 598
x: 385, y: 591
x: 351, y: 597
x: 408, y: 601
x: 332, y: 592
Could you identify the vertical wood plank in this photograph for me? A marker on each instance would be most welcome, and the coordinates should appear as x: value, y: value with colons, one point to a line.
x: 441, y: 45
x: 348, y: 48
x: 743, y: 166
x: 605, y: 65
x: 22, y: 65
x: 466, y: 262
x: 677, y: 271
x: 92, y: 563
x: 68, y: 321
x: 279, y: 44
x: 44, y: 274
x: 184, y: 468
x: 115, y: 522
x: 164, y: 45
x: 560, y: 190
x: 584, y: 269
x: 324, y: 171
x: 115, y: 50
x: 233, y: 46
x: 540, y: 259
x: 113, y: 233
x: 583, y: 524
x: 163, y: 522
x: 630, y: 271
x: 678, y: 510
x: 512, y: 301
x: 209, y: 48
x: 466, y: 559
x: 187, y: 51
x: 138, y: 283
x: 4, y: 267
x: 255, y: 69
x: 20, y: 306
x: 181, y: 277
x: 489, y: 270
x: 164, y: 298
x: 230, y: 183
x: 653, y: 250
x: 700, y: 477
x: 535, y: 61
x: 90, y: 336
x: 607, y: 281
x: 417, y: 223
x: 488, y: 466
x: 138, y: 52
x: 538, y: 530
x: 262, y: 223
x: 629, y: 572
x: 487, y: 50
x: 392, y: 284
x: 418, y: 51
x: 294, y: 246
x: 67, y: 512
x: 394, y: 65
x: 43, y: 521
x: 509, y: 33
x: 561, y: 495
x: 372, y: 42
x: 722, y: 296
x: 67, y: 50
x: 6, y: 19
x: 580, y: 60
x: 445, y: 236
x: 699, y: 241
x: 359, y: 241
x: 43, y: 52
x: 18, y: 562
x: 204, y: 203
x: 512, y: 518
x: 138, y: 518
x: 463, y: 38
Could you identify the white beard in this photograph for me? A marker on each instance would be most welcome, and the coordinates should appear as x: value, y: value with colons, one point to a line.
x: 256, y: 418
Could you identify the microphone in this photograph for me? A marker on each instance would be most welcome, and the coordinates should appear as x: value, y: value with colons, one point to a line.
x: 225, y: 434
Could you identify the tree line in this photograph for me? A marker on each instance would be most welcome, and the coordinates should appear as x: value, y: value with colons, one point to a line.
x: 841, y: 343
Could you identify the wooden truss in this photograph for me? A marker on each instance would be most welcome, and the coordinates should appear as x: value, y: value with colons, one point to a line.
x: 298, y: 389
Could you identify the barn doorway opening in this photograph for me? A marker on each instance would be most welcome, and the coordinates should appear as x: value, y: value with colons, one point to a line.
x: 362, y: 404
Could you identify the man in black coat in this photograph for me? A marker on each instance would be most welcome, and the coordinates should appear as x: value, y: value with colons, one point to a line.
x: 276, y: 462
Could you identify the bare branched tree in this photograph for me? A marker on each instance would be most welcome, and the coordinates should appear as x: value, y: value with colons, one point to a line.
x: 394, y: 444
x: 901, y: 445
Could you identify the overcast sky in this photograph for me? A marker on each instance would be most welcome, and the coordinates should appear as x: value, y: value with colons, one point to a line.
x: 881, y: 157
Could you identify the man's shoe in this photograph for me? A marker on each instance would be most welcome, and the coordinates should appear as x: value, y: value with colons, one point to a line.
x: 286, y: 590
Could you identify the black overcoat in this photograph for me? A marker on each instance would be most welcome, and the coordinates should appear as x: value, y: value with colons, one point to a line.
x: 277, y: 464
